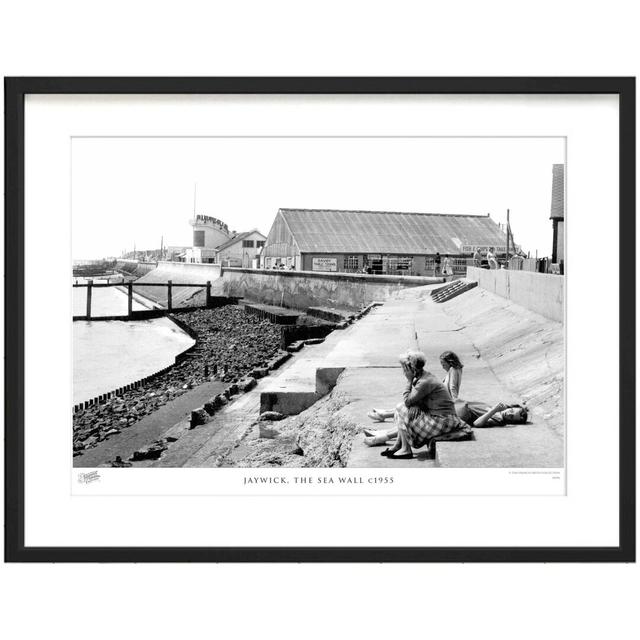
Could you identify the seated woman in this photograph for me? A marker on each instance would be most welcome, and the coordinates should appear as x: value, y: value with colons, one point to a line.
x: 452, y: 365
x: 427, y: 410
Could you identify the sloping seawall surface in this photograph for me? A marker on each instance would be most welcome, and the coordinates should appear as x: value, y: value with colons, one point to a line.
x: 177, y: 272
x: 523, y: 348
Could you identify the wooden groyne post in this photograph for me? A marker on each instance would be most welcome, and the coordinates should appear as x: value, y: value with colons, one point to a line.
x: 169, y: 289
x: 89, y: 290
x: 130, y: 299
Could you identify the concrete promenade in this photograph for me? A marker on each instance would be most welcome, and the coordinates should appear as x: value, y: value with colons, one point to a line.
x: 510, y: 354
x: 368, y: 350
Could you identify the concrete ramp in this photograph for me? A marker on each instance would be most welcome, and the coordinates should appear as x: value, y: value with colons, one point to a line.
x: 178, y: 272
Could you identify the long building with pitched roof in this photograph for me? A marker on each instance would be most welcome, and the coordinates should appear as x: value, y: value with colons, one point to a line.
x: 383, y: 242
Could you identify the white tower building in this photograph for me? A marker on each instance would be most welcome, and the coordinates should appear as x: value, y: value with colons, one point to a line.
x: 208, y: 233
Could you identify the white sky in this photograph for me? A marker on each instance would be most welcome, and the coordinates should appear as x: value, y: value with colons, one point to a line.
x: 138, y: 189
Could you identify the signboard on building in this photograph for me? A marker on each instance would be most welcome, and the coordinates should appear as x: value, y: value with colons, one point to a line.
x: 470, y: 248
x: 324, y: 264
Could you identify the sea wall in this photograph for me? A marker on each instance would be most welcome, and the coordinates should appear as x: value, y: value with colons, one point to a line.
x: 539, y: 292
x: 178, y: 272
x: 304, y: 289
x: 192, y: 273
x: 134, y: 267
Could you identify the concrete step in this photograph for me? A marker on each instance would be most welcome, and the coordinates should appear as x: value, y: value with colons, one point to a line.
x: 330, y: 313
x: 448, y: 292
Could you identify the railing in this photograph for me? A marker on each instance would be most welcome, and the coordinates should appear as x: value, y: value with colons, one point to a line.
x: 90, y: 285
x: 458, y: 266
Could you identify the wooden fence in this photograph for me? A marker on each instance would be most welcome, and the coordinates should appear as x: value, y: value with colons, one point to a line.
x: 169, y: 285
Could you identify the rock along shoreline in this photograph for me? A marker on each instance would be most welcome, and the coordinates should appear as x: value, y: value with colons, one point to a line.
x: 230, y: 344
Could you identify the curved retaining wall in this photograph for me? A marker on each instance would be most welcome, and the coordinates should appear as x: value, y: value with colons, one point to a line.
x: 177, y: 272
x: 188, y: 272
x: 304, y: 289
x: 135, y: 267
x: 539, y: 292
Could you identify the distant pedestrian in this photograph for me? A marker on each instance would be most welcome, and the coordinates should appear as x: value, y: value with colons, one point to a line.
x: 477, y: 258
x: 436, y: 265
x: 491, y: 259
x: 446, y: 267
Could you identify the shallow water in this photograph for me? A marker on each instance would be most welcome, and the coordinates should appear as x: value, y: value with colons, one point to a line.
x: 110, y: 354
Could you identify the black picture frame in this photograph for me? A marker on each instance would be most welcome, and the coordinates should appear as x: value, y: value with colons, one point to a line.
x: 15, y: 91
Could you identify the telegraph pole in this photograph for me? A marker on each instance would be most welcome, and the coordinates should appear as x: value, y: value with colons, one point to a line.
x: 508, y: 233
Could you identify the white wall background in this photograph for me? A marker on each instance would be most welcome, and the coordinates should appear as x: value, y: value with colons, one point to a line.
x: 330, y: 38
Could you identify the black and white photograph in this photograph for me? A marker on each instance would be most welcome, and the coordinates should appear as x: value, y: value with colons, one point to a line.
x: 307, y: 304
x: 353, y: 302
x: 310, y: 306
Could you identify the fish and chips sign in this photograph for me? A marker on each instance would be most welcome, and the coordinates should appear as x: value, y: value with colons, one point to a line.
x: 324, y: 264
x: 483, y: 248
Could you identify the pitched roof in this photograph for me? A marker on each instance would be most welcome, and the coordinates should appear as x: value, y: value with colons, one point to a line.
x: 557, y: 192
x: 237, y: 238
x: 326, y: 230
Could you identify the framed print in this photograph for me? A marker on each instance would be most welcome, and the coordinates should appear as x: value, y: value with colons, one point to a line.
x: 320, y: 319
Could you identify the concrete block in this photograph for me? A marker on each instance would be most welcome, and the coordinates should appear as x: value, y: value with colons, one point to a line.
x: 149, y: 453
x: 246, y: 384
x: 289, y: 403
x: 210, y: 407
x: 326, y: 378
x: 279, y: 360
x: 198, y: 417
